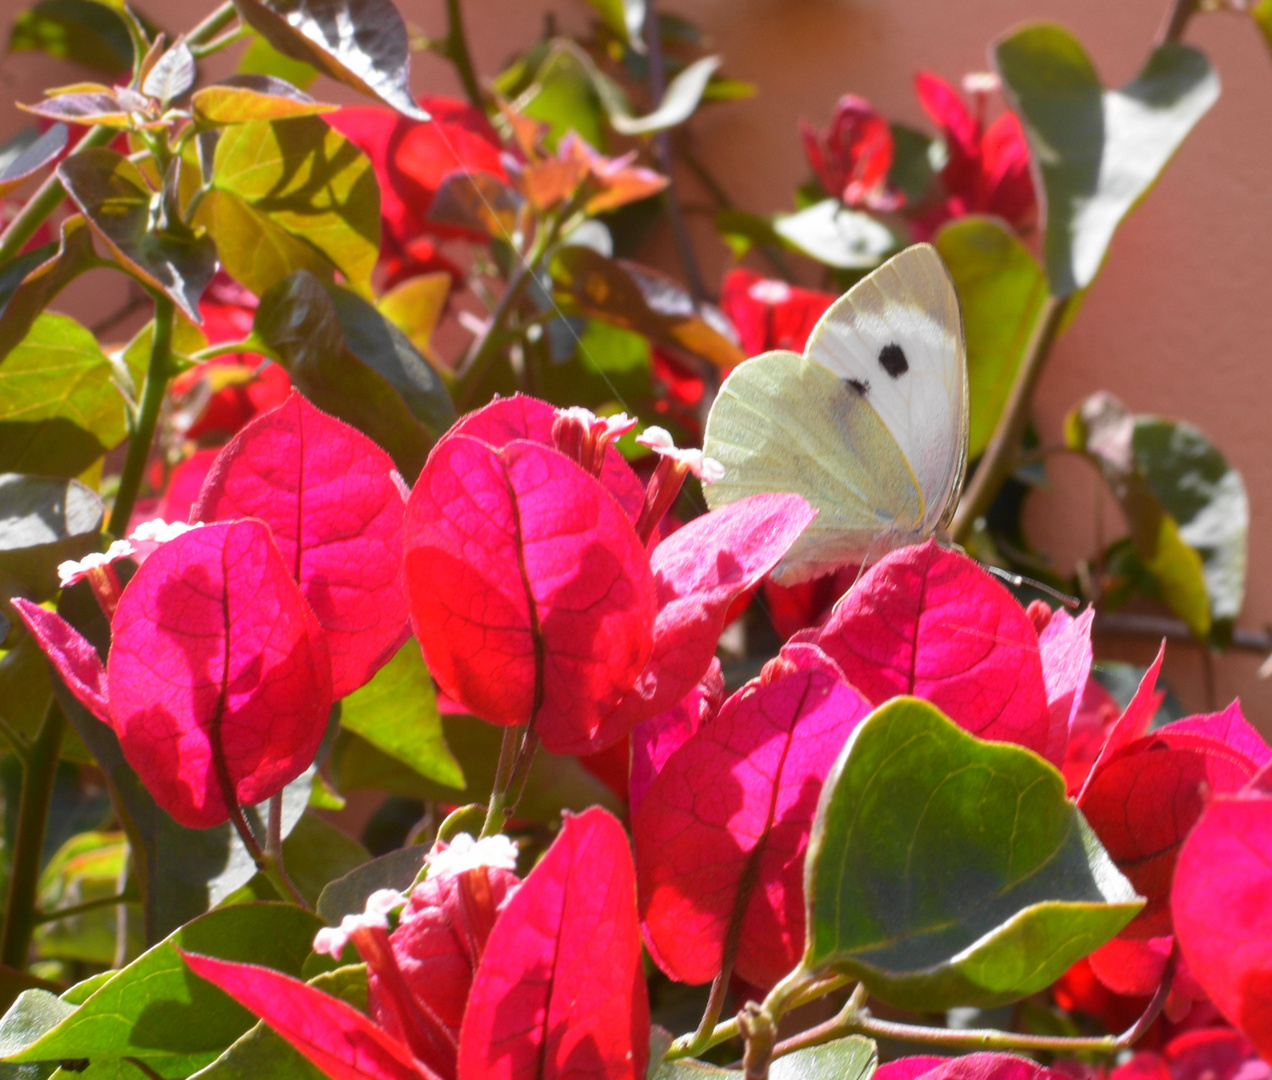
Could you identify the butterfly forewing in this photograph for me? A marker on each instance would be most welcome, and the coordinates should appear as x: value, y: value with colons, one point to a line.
x: 897, y: 338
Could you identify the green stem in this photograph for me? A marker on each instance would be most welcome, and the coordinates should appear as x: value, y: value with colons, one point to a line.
x: 1177, y: 21
x: 274, y: 868
x: 28, y: 847
x: 48, y: 196
x: 999, y: 459
x: 496, y: 813
x: 158, y: 372
x: 18, y: 743
x: 217, y: 21
x: 456, y: 51
x: 42, y: 917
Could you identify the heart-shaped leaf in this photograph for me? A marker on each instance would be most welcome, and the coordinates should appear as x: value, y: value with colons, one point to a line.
x: 531, y: 594
x: 540, y: 1004
x: 361, y: 43
x: 720, y: 838
x: 1096, y: 152
x: 114, y: 197
x: 1001, y: 289
x: 334, y: 504
x: 946, y: 871
x: 928, y: 621
x: 292, y: 194
x: 221, y: 678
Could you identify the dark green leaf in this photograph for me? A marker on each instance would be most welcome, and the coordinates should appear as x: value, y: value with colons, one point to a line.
x: 84, y: 31
x: 943, y: 870
x: 42, y: 523
x: 742, y: 231
x: 115, y: 198
x: 25, y: 688
x: 315, y: 854
x: 347, y: 895
x: 852, y: 1058
x: 1102, y: 429
x: 297, y: 322
x: 59, y: 408
x: 396, y: 712
x: 28, y: 152
x: 153, y: 1008
x: 361, y: 43
x: 643, y: 302
x: 241, y: 98
x: 911, y: 172
x: 262, y: 1054
x: 291, y: 195
x: 1096, y: 152
x: 386, y: 350
x: 1207, y: 499
x: 31, y: 281
x: 172, y: 75
x: 1001, y: 289
x: 836, y: 236
x: 625, y: 18
x: 608, y: 368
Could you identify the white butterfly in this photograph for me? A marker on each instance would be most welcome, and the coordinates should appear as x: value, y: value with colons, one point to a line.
x: 869, y: 425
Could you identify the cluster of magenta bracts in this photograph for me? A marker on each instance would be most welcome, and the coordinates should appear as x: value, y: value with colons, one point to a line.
x: 528, y: 561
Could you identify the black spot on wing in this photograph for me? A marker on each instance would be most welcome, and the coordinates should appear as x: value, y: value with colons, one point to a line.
x: 859, y: 386
x: 892, y: 360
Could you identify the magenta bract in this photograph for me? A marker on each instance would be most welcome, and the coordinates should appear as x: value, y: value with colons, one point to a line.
x: 335, y: 505
x: 531, y: 594
x: 726, y: 822
x: 929, y: 622
x: 560, y: 991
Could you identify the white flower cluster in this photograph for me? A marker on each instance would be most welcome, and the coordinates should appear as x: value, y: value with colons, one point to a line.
x: 331, y: 940
x: 706, y: 469
x: 464, y: 853
x: 159, y: 531
x: 71, y: 571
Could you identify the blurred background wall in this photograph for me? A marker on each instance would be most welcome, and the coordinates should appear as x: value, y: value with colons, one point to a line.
x: 1179, y: 323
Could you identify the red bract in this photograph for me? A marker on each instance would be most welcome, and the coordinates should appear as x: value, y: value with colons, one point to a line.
x: 726, y: 822
x: 335, y: 504
x: 218, y: 681
x: 560, y: 991
x: 411, y: 159
x: 928, y: 621
x: 792, y: 608
x: 969, y: 1067
x: 771, y: 314
x: 533, y: 596
x: 1222, y: 917
x: 852, y: 157
x: 987, y: 170
x: 1205, y: 1054
x: 1064, y: 646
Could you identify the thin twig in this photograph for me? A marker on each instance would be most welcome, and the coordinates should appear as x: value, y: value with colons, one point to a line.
x: 1176, y: 22
x: 42, y: 917
x: 455, y: 49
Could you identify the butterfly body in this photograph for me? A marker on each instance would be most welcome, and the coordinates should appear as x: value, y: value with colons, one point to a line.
x: 869, y: 424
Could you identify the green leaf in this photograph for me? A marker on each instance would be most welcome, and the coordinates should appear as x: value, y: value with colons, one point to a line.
x: 1261, y: 12
x: 396, y: 712
x: 555, y: 783
x: 944, y: 870
x: 43, y: 522
x: 25, y: 688
x: 386, y: 350
x: 609, y: 369
x: 564, y: 96
x: 262, y: 1053
x: 1206, y: 497
x: 361, y: 43
x: 298, y: 324
x: 28, y: 152
x: 39, y: 276
x: 637, y: 299
x: 261, y: 58
x: 291, y: 195
x: 59, y: 408
x: 415, y: 307
x: 912, y: 172
x: 477, y: 201
x: 113, y: 195
x: 347, y: 895
x: 242, y: 98
x: 1096, y: 152
x: 742, y: 231
x: 34, y: 1014
x: 1002, y: 290
x: 87, y: 867
x: 625, y: 18
x: 154, y: 1009
x: 836, y: 236
x: 851, y: 1058
x: 314, y: 855
x: 679, y: 101
x: 83, y: 31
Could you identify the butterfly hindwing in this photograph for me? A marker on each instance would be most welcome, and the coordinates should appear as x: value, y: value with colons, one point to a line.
x: 898, y: 335
x: 784, y: 423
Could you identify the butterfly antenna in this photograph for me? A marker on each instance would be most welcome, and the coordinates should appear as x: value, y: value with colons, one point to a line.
x: 1018, y: 581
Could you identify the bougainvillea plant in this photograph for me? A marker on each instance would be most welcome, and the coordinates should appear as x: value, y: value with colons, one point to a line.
x: 377, y: 698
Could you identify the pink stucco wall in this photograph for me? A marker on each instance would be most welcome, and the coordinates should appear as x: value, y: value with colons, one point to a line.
x: 1180, y: 321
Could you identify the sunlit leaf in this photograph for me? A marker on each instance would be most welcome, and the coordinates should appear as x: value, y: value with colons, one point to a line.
x: 172, y: 75
x: 832, y: 234
x: 679, y: 100
x: 241, y: 98
x: 1096, y: 152
x: 415, y: 307
x: 944, y: 870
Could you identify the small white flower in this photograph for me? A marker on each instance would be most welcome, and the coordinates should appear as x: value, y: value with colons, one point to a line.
x: 331, y: 940
x: 610, y: 427
x: 464, y: 853
x: 706, y: 469
x: 71, y: 571
x: 159, y: 531
x: 770, y: 292
x: 981, y: 82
